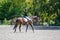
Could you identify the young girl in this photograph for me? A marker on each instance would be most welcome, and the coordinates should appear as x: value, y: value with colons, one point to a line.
x: 26, y: 15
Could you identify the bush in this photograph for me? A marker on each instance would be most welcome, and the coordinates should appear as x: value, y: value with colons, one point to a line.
x: 6, y: 22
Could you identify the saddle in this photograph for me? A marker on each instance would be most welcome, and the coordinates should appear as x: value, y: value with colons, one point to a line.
x: 24, y: 19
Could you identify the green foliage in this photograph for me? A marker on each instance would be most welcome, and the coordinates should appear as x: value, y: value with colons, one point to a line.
x: 47, y: 10
x: 4, y: 10
x: 6, y: 22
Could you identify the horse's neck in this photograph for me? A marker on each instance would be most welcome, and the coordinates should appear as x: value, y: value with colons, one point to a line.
x: 32, y: 17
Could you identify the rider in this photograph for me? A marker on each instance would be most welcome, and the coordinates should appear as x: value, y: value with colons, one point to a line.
x: 26, y: 15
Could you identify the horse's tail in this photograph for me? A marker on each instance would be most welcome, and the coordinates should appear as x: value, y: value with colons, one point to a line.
x: 15, y: 24
x: 16, y: 20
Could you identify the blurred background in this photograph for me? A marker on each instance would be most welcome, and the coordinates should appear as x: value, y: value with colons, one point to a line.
x: 48, y: 11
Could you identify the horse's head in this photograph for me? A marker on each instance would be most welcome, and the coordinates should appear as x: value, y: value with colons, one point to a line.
x: 33, y: 17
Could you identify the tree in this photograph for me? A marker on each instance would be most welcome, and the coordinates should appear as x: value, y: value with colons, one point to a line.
x: 4, y: 10
x: 47, y: 10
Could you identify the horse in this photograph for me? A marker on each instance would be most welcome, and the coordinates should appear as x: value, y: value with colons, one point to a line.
x: 23, y: 21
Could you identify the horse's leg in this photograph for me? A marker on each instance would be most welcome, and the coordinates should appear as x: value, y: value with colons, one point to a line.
x: 31, y: 26
x: 15, y: 27
x: 20, y: 28
x: 26, y: 27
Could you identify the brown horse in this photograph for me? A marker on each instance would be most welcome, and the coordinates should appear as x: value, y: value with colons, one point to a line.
x: 23, y: 21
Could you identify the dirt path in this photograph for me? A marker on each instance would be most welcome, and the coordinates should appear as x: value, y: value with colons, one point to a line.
x: 6, y: 33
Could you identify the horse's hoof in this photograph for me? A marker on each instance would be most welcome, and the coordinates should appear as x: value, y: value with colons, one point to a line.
x: 33, y: 31
x: 14, y: 32
x: 13, y: 28
x: 26, y: 31
x: 19, y: 30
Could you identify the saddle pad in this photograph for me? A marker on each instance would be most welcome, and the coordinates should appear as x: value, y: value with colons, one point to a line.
x: 25, y: 19
x: 22, y: 18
